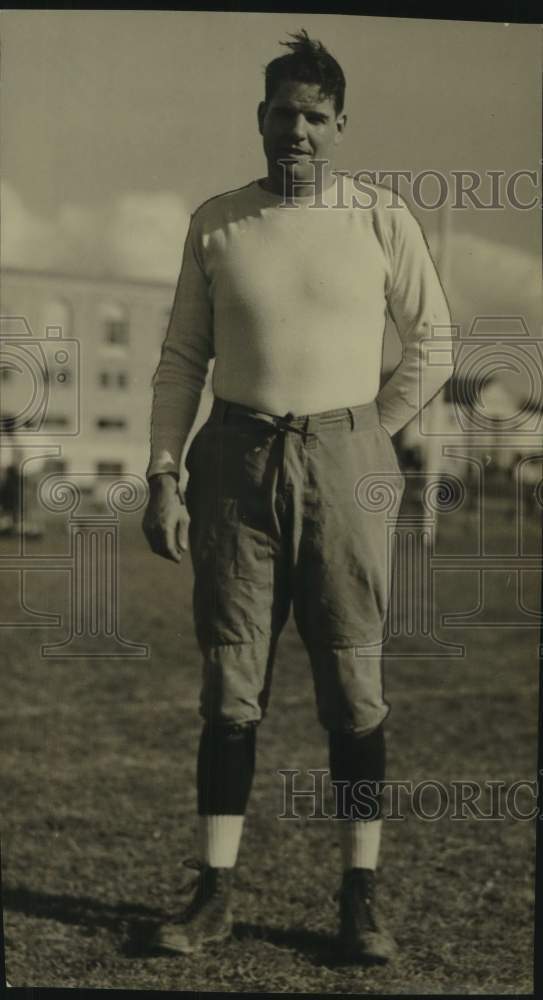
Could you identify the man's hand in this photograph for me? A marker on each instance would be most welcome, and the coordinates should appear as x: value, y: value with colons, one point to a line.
x: 165, y: 522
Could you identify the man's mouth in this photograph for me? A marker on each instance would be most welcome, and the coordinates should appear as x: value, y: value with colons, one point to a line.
x: 294, y: 154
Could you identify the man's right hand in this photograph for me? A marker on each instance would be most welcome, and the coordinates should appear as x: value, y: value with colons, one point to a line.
x: 165, y: 522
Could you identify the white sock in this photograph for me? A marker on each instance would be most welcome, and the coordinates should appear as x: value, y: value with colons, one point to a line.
x: 219, y: 840
x: 359, y: 841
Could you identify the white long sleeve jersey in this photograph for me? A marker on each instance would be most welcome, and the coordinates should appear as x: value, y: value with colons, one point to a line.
x: 291, y: 301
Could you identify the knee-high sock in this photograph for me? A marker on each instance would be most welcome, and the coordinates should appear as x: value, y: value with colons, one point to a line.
x: 357, y: 764
x: 226, y: 763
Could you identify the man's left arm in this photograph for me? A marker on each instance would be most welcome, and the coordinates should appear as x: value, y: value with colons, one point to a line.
x: 419, y: 309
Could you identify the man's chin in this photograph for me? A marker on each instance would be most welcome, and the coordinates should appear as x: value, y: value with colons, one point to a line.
x: 297, y: 171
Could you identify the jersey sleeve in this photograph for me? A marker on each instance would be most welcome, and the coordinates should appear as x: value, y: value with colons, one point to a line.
x: 420, y: 312
x: 182, y: 369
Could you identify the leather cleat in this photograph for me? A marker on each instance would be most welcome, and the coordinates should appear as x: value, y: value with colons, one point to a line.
x: 207, y: 919
x: 362, y: 935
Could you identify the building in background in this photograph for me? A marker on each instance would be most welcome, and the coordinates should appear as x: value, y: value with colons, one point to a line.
x: 77, y: 358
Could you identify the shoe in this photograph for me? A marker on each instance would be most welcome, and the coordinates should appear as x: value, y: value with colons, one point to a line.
x: 208, y: 917
x: 362, y: 935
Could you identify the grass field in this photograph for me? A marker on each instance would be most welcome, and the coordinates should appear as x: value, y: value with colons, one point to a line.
x: 98, y: 805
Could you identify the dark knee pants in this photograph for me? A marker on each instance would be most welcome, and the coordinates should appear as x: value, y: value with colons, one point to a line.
x: 292, y: 510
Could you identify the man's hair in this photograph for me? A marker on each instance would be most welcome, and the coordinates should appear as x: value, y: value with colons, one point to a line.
x: 307, y: 62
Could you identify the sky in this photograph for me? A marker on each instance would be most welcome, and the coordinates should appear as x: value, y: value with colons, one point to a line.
x: 117, y: 124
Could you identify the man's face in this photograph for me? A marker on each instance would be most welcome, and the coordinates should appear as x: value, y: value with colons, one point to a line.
x: 298, y: 126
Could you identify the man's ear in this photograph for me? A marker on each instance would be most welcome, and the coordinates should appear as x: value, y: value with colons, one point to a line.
x: 261, y: 112
x: 341, y: 124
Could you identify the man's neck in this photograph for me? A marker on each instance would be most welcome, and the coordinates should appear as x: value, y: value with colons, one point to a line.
x: 297, y: 188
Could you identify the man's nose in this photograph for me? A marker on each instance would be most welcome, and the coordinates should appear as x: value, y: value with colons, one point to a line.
x: 297, y: 126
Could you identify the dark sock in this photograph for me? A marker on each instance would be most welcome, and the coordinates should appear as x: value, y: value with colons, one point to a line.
x: 358, y: 759
x: 226, y: 765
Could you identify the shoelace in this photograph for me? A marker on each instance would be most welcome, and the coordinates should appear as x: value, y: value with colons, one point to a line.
x: 197, y: 865
x: 369, y: 904
x: 190, y: 884
x: 371, y: 914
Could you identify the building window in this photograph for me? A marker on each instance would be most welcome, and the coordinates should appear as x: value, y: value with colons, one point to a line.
x: 57, y: 314
x: 116, y: 332
x: 110, y: 468
x: 111, y: 423
x: 55, y: 420
x: 55, y: 466
x: 114, y: 321
x: 112, y: 380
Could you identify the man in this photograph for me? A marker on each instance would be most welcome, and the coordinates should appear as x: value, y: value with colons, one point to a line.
x: 286, y: 282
